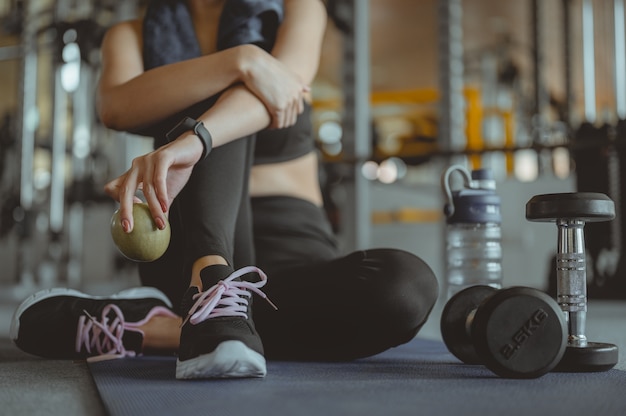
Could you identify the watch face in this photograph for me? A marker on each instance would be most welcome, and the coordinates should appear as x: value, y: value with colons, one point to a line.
x: 190, y: 124
x: 184, y: 125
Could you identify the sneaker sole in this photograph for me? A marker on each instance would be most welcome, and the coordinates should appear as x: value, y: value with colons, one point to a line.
x: 231, y: 359
x: 133, y: 293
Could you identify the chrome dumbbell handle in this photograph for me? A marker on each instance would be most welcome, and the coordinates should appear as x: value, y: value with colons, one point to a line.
x: 571, y: 275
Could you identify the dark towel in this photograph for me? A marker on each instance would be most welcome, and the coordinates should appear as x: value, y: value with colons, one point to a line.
x: 169, y: 36
x: 249, y: 21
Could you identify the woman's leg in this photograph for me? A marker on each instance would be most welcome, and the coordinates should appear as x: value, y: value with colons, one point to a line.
x: 218, y: 337
x: 351, y: 307
x: 331, y: 307
x: 211, y: 201
x: 209, y: 214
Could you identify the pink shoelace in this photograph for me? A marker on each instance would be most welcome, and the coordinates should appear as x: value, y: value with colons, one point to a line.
x: 103, y: 338
x: 227, y: 297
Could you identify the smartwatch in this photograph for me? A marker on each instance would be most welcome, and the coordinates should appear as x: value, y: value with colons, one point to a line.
x: 190, y: 124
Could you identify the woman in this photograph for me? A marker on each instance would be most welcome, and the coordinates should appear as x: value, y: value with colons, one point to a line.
x: 329, y: 307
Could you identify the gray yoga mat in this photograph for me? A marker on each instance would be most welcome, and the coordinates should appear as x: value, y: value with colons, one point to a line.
x: 418, y: 378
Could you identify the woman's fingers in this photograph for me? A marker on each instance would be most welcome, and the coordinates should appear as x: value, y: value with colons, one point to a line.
x: 150, y: 192
x: 128, y: 186
x: 280, y: 89
x: 112, y: 189
x: 159, y: 175
x: 287, y: 115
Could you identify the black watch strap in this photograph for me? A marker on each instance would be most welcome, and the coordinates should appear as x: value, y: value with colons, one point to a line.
x: 190, y: 124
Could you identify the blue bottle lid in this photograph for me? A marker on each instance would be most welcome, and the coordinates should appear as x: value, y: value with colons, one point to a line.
x: 477, y: 202
x: 473, y: 206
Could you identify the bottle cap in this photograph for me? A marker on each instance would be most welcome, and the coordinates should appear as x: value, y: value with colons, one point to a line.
x: 476, y: 202
x: 474, y: 206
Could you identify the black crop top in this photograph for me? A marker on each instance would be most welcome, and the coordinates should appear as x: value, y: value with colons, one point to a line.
x: 279, y: 145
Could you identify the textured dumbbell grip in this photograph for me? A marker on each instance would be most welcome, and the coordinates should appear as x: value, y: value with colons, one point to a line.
x: 571, y: 286
x: 571, y: 275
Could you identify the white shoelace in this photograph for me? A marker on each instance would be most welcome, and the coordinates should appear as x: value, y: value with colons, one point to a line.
x: 103, y: 338
x: 227, y: 297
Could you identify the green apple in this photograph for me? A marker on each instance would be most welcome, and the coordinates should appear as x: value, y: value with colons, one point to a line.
x: 145, y: 242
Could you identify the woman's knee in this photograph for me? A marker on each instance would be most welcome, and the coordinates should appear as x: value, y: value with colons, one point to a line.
x: 406, y: 288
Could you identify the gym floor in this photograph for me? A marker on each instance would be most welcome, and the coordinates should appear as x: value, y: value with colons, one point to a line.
x: 33, y: 386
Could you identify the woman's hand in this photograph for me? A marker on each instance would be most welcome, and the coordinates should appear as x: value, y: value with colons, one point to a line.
x: 160, y: 175
x: 281, y: 90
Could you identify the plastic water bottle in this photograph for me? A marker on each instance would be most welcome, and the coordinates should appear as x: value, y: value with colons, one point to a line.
x: 473, y: 233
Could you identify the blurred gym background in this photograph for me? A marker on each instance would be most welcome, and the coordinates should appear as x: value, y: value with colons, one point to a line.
x: 534, y: 89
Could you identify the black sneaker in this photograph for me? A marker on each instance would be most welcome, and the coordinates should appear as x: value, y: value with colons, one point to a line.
x: 68, y: 324
x: 218, y: 338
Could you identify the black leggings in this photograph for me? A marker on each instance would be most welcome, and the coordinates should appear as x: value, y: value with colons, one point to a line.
x: 332, y: 307
x: 211, y: 216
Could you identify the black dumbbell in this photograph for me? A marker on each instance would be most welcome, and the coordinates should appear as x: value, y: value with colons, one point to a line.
x: 518, y: 332
x: 571, y: 211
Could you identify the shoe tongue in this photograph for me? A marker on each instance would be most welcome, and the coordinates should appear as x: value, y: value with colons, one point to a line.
x: 187, y: 301
x: 212, y: 274
x: 133, y: 340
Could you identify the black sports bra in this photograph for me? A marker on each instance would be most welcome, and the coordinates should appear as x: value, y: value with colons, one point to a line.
x: 279, y: 145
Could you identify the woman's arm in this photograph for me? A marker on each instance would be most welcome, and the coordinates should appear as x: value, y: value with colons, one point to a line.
x: 240, y: 111
x: 125, y: 89
x: 298, y: 47
x: 299, y: 40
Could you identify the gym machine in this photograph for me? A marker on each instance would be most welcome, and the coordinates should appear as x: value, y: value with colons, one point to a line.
x: 48, y: 217
x: 598, y: 149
